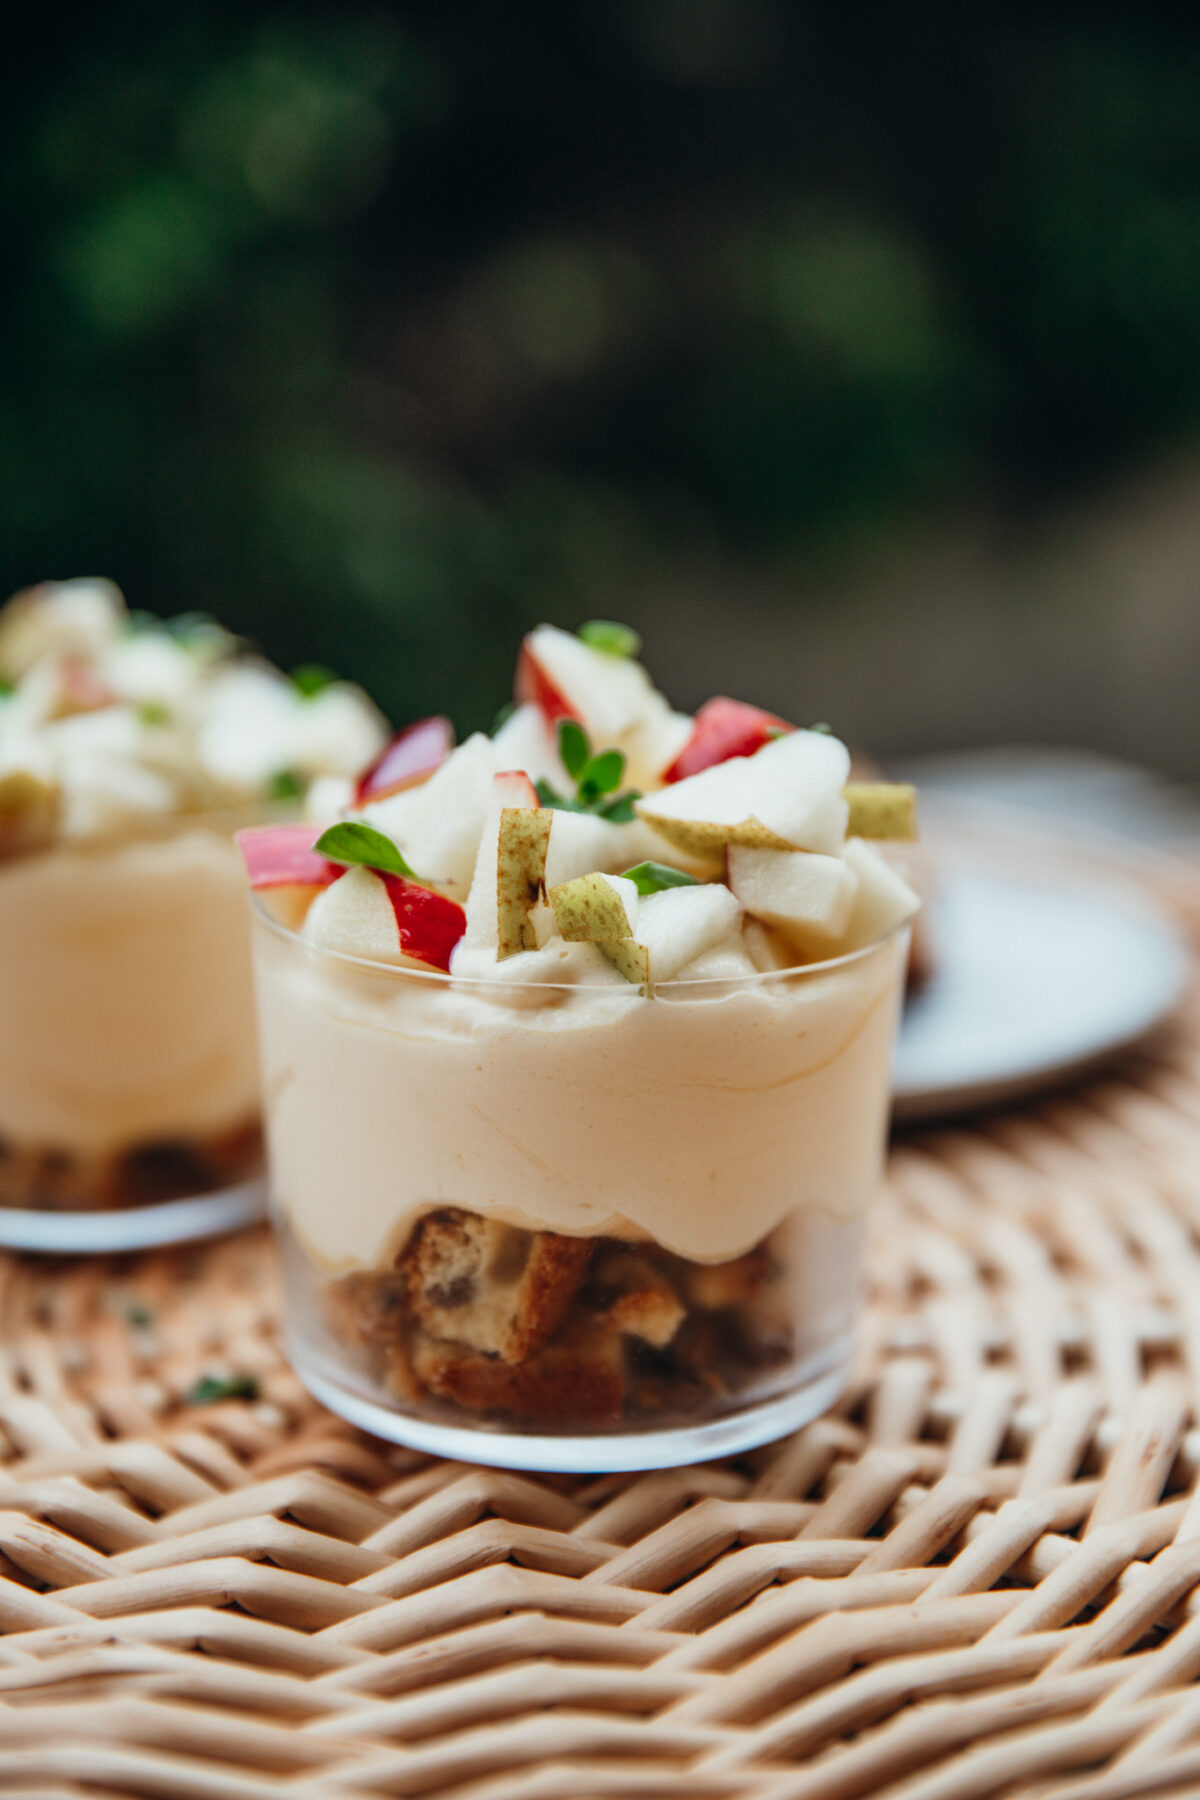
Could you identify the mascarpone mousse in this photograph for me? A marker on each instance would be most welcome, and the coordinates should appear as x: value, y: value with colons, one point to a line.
x: 699, y: 1119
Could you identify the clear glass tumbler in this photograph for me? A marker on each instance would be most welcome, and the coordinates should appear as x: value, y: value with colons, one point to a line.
x: 129, y: 1097
x: 572, y: 1227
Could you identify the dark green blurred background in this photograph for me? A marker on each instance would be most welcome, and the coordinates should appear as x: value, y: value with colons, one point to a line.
x: 853, y: 353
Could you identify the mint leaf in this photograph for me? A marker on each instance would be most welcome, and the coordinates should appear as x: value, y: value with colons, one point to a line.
x: 503, y: 716
x: 354, y: 842
x: 573, y: 747
x: 6, y: 688
x: 153, y: 712
x: 653, y: 877
x: 286, y: 785
x: 211, y: 1388
x: 602, y: 774
x: 612, y: 639
x: 312, y: 678
x: 619, y: 810
x: 826, y: 730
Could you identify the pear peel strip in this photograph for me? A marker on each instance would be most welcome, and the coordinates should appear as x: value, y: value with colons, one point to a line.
x: 521, y: 847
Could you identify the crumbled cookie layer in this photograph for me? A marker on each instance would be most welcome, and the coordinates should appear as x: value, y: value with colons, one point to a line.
x: 44, y: 1178
x: 558, y: 1332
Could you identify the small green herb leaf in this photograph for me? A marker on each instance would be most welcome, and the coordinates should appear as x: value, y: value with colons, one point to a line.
x: 286, y: 785
x: 211, y: 1388
x: 619, y: 810
x: 503, y: 716
x: 823, y: 728
x: 312, y: 678
x: 138, y: 1317
x: 612, y: 639
x: 653, y: 877
x: 153, y: 712
x: 6, y: 688
x: 601, y: 775
x: 573, y: 747
x: 354, y: 842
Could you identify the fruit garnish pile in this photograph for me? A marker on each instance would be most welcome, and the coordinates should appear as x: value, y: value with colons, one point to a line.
x: 597, y: 835
x: 109, y: 717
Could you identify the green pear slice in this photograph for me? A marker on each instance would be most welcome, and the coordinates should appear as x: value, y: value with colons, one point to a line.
x: 520, y: 875
x: 630, y: 959
x: 882, y: 809
x: 595, y: 908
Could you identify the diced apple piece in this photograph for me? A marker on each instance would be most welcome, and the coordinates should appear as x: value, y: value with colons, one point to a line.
x: 510, y: 789
x: 882, y: 809
x: 680, y: 924
x: 595, y: 908
x: 150, y: 667
x: 385, y: 918
x: 521, y: 847
x: 527, y: 740
x: 609, y: 695
x: 283, y: 856
x: 334, y: 731
x: 653, y: 745
x: 245, y: 735
x: 727, y: 961
x: 883, y: 900
x: 721, y: 729
x: 71, y: 618
x: 768, y: 950
x: 407, y: 759
x: 788, y: 796
x: 437, y: 825
x: 328, y: 799
x: 807, y: 896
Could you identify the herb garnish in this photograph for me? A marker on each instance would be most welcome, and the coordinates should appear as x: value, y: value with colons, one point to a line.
x: 653, y: 877
x: 211, y: 1388
x: 611, y: 638
x: 312, y: 679
x: 153, y: 712
x: 597, y: 778
x: 353, y: 842
x: 285, y: 785
x: 503, y: 716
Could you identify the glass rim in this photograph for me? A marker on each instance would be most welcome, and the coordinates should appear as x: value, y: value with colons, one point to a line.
x: 493, y: 984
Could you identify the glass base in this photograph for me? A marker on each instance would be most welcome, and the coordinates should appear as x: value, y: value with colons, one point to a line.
x: 133, y: 1227
x: 595, y: 1454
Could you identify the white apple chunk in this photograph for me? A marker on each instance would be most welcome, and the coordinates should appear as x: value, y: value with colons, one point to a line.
x: 511, y: 789
x: 805, y: 895
x: 727, y: 961
x: 437, y: 826
x: 612, y: 697
x: 245, y: 736
x: 59, y: 618
x: 787, y: 796
x: 355, y: 916
x: 678, y: 925
x: 526, y: 740
x: 883, y: 899
x: 768, y: 950
x: 335, y: 732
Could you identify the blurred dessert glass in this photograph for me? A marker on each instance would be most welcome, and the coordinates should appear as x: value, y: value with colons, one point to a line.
x: 130, y: 750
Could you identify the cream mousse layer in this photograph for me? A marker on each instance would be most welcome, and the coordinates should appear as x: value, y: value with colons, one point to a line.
x: 701, y: 1122
x: 127, y: 1003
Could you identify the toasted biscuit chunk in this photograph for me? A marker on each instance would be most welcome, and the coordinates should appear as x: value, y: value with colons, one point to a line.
x: 634, y: 1297
x: 715, y: 1285
x: 489, y: 1286
x: 577, y: 1380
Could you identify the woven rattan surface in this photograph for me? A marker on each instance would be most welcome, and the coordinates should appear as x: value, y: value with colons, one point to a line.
x: 980, y: 1575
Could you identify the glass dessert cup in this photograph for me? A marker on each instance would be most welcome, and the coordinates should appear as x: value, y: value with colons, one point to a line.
x: 572, y: 1227
x: 129, y: 1099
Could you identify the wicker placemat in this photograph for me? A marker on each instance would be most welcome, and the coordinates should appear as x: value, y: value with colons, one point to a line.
x: 981, y: 1575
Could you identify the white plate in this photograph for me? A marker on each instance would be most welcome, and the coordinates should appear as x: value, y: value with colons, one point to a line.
x: 1035, y: 981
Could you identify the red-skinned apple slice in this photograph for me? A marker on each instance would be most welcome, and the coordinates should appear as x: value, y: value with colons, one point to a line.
x: 283, y: 856
x: 724, y: 728
x: 533, y: 685
x: 408, y: 758
x: 385, y: 918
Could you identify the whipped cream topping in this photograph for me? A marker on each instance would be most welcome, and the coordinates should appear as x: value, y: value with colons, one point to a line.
x: 108, y: 719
